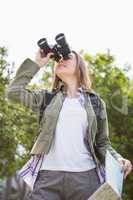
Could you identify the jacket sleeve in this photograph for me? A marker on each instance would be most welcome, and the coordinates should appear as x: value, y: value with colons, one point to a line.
x: 102, y: 137
x: 17, y: 91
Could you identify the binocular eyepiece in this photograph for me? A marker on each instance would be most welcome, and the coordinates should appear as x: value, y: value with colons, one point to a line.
x: 60, y: 50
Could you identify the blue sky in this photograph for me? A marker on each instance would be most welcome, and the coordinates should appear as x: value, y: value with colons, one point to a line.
x: 92, y: 25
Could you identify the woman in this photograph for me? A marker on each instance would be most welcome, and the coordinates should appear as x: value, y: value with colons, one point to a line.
x: 72, y: 156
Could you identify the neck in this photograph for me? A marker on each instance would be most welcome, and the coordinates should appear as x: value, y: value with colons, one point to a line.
x: 71, y: 88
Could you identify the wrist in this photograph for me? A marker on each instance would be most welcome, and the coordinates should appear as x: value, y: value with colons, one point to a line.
x: 39, y: 64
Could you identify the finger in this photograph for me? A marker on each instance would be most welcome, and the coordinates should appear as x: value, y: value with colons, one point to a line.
x: 129, y: 169
x: 126, y: 164
x: 51, y: 53
x: 123, y: 168
x: 41, y: 50
x: 126, y: 173
x: 38, y: 52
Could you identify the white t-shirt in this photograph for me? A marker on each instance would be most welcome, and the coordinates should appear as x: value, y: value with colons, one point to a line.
x: 68, y: 151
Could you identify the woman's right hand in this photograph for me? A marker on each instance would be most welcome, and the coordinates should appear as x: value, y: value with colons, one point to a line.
x: 42, y: 60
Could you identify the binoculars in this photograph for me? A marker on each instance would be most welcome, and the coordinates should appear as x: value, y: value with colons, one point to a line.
x: 60, y: 50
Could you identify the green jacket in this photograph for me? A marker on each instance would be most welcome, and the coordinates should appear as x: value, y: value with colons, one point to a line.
x: 98, y: 139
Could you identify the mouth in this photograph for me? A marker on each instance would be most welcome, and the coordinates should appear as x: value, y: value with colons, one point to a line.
x: 60, y: 66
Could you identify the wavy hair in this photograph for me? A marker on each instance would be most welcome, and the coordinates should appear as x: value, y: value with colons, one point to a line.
x: 83, y: 75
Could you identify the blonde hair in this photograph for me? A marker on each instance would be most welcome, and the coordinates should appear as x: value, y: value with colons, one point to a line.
x: 82, y: 74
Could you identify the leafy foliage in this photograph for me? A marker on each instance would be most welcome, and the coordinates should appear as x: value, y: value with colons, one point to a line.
x: 113, y: 85
x: 18, y: 125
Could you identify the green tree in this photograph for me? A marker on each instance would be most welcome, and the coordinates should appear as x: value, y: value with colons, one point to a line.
x: 114, y: 86
x: 15, y: 129
x: 18, y: 125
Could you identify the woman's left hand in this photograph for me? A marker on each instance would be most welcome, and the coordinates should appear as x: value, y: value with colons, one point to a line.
x: 126, y: 165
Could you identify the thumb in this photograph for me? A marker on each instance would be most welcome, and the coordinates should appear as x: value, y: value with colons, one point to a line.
x: 49, y: 54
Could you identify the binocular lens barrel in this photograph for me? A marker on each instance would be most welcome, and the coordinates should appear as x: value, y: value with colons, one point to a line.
x: 43, y: 44
x: 61, y: 49
x: 60, y: 37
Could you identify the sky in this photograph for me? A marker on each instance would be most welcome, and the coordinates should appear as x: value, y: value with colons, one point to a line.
x: 92, y: 25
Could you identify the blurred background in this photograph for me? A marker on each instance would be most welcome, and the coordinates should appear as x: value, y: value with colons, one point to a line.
x: 101, y: 31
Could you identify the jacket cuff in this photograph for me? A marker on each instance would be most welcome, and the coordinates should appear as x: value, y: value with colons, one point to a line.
x: 28, y: 66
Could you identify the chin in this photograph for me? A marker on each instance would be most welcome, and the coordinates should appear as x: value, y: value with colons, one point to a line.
x: 59, y: 75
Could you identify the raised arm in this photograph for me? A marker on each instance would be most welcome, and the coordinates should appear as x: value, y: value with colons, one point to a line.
x: 17, y: 91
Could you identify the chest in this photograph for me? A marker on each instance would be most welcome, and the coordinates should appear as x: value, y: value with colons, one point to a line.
x: 73, y: 113
x: 62, y: 108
